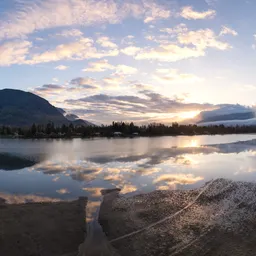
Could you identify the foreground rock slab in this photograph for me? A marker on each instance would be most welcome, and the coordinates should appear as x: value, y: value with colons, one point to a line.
x: 218, y: 219
x: 42, y: 229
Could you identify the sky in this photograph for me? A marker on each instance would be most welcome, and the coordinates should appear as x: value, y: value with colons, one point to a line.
x: 131, y: 60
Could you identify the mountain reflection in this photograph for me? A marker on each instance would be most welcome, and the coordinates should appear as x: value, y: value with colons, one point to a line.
x: 132, y: 172
x: 11, y: 162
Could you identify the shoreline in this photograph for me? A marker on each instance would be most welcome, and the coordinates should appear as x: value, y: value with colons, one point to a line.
x: 121, y: 137
x: 219, y: 217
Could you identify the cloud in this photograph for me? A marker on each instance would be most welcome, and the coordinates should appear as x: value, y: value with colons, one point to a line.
x: 105, y: 42
x: 55, y: 179
x: 113, y: 177
x: 25, y: 19
x: 174, y: 76
x: 128, y: 40
x: 62, y: 191
x: 91, y: 209
x: 61, y: 67
x: 202, y: 39
x: 225, y: 109
x: 103, y: 65
x: 189, y: 14
x: 128, y: 188
x: 132, y: 107
x: 155, y: 12
x: 84, y: 82
x: 126, y: 70
x: 181, y: 28
x: 130, y: 50
x: 88, y: 174
x: 31, y: 16
x: 99, y: 66
x: 114, y: 80
x: 169, y: 53
x: 94, y: 192
x: 52, y: 88
x: 228, y: 31
x: 14, y: 52
x: 17, y: 52
x: 188, y: 44
x: 70, y: 33
x: 74, y: 88
x: 78, y: 50
x: 184, y: 179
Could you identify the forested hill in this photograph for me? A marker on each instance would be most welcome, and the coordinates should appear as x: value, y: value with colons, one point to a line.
x: 19, y: 108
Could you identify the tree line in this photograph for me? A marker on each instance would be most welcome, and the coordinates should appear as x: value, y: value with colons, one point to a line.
x: 122, y: 129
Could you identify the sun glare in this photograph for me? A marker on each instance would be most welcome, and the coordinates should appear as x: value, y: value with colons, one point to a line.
x: 189, y: 114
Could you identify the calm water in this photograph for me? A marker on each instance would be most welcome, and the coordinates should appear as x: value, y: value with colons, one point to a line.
x: 67, y: 169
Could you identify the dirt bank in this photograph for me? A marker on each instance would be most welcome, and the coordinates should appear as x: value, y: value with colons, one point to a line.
x: 42, y: 229
x: 218, y: 219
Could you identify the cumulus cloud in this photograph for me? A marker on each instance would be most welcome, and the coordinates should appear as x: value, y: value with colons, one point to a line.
x: 18, y: 52
x: 202, y: 39
x: 130, y: 50
x: 14, y: 52
x: 88, y: 174
x: 183, y: 44
x: 188, y: 13
x: 85, y: 82
x: 128, y: 188
x: 184, y: 179
x: 228, y: 31
x: 105, y: 42
x: 99, y: 66
x: 30, y: 16
x: 181, y: 28
x: 94, y: 192
x: 114, y: 80
x: 78, y: 50
x: 62, y: 191
x: 155, y: 11
x: 61, y: 67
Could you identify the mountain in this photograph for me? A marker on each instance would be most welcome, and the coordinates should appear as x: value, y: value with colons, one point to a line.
x: 19, y: 108
x: 75, y: 119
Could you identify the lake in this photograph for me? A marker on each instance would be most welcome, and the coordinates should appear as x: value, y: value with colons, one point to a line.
x: 67, y: 169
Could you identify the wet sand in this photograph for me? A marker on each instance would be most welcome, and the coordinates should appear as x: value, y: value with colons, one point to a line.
x: 218, y: 219
x: 42, y: 229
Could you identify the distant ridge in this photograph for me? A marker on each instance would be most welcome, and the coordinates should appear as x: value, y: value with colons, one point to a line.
x: 19, y: 108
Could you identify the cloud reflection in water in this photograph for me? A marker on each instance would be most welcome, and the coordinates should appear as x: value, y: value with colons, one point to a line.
x: 155, y: 168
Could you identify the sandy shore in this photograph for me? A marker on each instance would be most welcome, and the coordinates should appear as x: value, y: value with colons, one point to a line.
x: 42, y: 229
x: 218, y: 219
